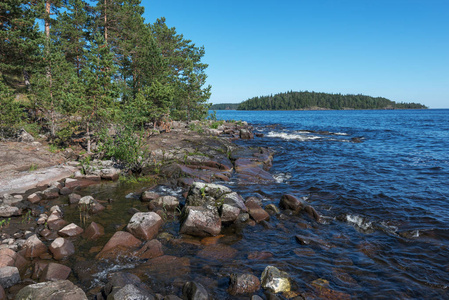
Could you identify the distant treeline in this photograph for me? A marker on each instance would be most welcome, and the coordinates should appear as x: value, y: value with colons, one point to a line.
x: 224, y: 106
x: 312, y: 100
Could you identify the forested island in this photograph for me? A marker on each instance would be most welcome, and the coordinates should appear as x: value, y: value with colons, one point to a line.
x: 224, y: 106
x: 316, y: 101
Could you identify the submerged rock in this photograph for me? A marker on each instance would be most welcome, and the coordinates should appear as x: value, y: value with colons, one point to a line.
x: 194, y: 291
x: 51, y: 290
x: 291, y: 202
x: 275, y: 280
x: 94, y: 231
x: 243, y: 284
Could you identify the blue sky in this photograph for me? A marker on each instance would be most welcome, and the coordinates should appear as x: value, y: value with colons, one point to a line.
x: 397, y: 49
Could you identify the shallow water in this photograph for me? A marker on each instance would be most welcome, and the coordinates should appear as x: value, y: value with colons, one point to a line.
x: 378, y: 178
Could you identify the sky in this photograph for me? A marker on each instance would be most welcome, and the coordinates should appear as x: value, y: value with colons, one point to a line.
x: 398, y: 49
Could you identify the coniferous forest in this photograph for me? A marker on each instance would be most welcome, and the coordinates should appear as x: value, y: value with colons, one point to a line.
x: 73, y: 66
x: 312, y: 100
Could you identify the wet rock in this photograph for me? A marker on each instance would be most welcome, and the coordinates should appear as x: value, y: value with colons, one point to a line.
x: 51, y: 290
x: 65, y: 191
x: 275, y: 280
x: 9, y: 211
x: 303, y: 240
x: 34, y: 247
x: 251, y: 170
x: 61, y: 248
x: 9, y: 276
x: 194, y: 291
x: 121, y: 242
x: 147, y: 196
x: 55, y: 221
x: 34, y: 198
x: 130, y: 291
x: 243, y: 284
x: 145, y: 225
x: 255, y: 211
x: 151, y: 249
x: 211, y: 240
x: 291, y: 202
x: 234, y: 200
x: 169, y: 203
x: 118, y: 280
x: 70, y: 230
x: 201, y: 221
x: 218, y: 252
x: 94, y: 231
x: 245, y: 134
x: 54, y: 271
x: 272, y: 209
x: 51, y: 193
x: 74, y: 198
x: 229, y: 213
x: 312, y: 212
x: 72, y: 183
x: 205, y: 193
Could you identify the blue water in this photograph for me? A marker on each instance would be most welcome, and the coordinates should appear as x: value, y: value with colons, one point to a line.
x: 380, y: 179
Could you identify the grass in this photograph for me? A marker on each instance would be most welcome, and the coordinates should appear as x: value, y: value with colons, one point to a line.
x: 33, y: 167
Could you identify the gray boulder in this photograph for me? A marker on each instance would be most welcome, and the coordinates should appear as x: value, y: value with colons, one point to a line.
x: 201, y: 221
x: 51, y: 290
x: 9, y: 276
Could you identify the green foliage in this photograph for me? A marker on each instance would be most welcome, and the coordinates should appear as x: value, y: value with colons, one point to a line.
x: 126, y: 146
x: 10, y: 112
x: 216, y: 124
x: 311, y: 100
x: 196, y: 127
x: 224, y: 106
x: 33, y: 167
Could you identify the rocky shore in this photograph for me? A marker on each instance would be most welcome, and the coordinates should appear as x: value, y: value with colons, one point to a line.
x: 41, y: 233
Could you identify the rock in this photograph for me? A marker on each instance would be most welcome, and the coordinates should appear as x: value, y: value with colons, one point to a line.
x: 61, y: 248
x: 34, y: 247
x: 54, y: 271
x: 65, y: 191
x: 25, y: 137
x: 74, y: 198
x: 218, y: 252
x: 262, y: 255
x: 70, y: 230
x: 275, y: 280
x: 256, y: 211
x: 121, y: 242
x: 251, y: 170
x: 51, y: 290
x: 9, y: 211
x: 169, y: 203
x: 234, y: 200
x: 151, y: 249
x: 323, y: 290
x: 194, y: 291
x: 147, y: 196
x: 272, y: 209
x: 2, y: 293
x: 88, y: 203
x: 51, y: 193
x: 34, y: 198
x: 145, y: 225
x: 7, y: 257
x: 303, y: 240
x: 229, y: 213
x: 110, y: 174
x: 9, y: 276
x: 245, y: 134
x: 94, y: 231
x: 118, y: 280
x: 130, y: 292
x: 204, y: 193
x: 291, y: 202
x: 55, y: 221
x: 72, y: 183
x: 201, y: 221
x: 312, y: 212
x: 243, y: 284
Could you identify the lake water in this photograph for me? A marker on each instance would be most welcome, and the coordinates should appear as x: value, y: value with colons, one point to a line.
x: 380, y: 179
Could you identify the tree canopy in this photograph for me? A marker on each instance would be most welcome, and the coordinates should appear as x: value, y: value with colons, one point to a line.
x: 312, y: 100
